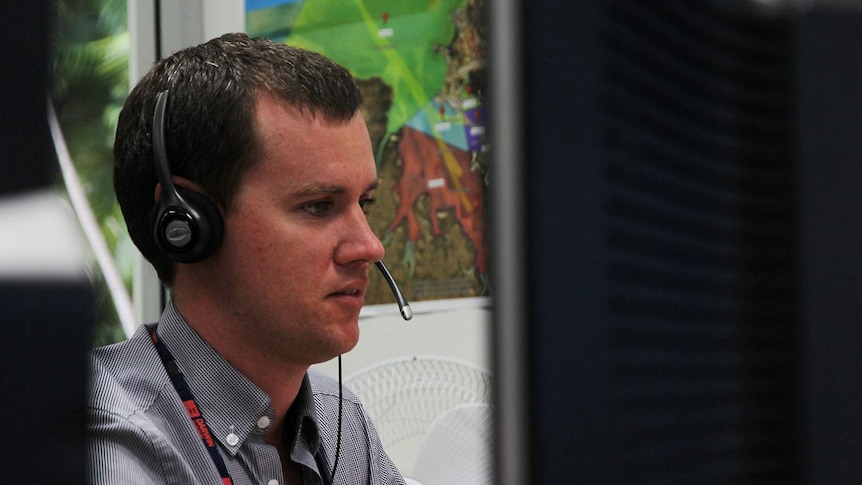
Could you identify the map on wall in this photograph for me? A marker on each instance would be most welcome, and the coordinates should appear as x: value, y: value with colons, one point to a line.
x: 421, y: 67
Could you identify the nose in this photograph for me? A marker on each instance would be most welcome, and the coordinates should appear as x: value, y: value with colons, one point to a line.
x: 359, y: 242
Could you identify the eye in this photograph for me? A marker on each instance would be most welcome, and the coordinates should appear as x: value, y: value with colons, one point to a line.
x: 317, y: 208
x: 366, y: 204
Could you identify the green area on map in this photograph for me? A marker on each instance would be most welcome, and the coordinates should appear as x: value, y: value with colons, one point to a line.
x: 354, y: 34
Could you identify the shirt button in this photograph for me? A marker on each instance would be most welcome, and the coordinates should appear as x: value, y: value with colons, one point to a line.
x: 232, y: 439
x: 272, y: 482
x: 263, y: 422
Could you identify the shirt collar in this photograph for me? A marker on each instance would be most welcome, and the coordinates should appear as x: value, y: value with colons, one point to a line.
x: 302, y: 418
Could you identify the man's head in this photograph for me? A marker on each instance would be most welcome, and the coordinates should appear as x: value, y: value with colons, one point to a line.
x: 211, y: 132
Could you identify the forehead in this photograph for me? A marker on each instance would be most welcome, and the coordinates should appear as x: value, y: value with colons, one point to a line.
x: 301, y: 148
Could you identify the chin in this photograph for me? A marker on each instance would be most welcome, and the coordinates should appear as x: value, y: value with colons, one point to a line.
x: 350, y: 344
x: 347, y: 337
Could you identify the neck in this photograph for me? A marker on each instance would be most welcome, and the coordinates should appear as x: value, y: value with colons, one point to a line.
x: 279, y: 378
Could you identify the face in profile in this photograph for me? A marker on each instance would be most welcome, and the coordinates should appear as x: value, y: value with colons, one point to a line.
x: 294, y: 262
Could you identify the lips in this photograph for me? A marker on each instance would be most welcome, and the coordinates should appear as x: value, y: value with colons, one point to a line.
x: 351, y: 299
x: 354, y: 289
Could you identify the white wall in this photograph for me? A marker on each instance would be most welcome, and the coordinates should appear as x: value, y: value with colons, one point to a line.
x: 461, y: 333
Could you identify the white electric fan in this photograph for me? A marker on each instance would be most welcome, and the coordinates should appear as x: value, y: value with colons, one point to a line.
x: 433, y: 416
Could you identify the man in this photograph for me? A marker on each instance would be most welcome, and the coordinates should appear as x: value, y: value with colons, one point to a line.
x: 244, y: 171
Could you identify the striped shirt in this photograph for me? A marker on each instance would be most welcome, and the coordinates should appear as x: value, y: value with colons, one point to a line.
x: 140, y: 431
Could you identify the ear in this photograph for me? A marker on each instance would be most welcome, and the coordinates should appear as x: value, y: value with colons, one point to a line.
x: 187, y: 225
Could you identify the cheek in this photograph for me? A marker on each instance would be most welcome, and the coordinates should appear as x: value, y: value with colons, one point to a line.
x: 273, y: 250
x: 262, y: 238
x: 249, y: 247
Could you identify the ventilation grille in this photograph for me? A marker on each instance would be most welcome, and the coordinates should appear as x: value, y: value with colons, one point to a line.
x: 696, y: 105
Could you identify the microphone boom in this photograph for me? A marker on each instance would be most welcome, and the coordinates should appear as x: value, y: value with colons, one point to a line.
x: 403, y: 306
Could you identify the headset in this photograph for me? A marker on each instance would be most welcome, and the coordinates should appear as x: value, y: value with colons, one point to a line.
x: 187, y: 225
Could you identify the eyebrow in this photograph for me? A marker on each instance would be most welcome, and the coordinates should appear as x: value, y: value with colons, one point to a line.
x: 314, y: 189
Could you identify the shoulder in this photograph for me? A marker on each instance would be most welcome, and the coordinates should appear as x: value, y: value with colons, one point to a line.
x: 330, y: 398
x: 324, y: 386
x: 363, y: 454
x: 129, y: 416
x: 125, y: 377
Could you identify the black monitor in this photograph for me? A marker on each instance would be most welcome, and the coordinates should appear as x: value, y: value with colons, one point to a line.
x: 46, y: 300
x: 676, y: 214
x: 27, y: 162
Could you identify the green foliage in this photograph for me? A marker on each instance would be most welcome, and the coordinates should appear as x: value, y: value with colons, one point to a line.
x: 90, y: 59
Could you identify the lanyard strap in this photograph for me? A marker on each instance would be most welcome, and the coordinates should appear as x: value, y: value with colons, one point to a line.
x: 194, y: 411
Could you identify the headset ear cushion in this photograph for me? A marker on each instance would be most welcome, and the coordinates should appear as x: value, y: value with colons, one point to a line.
x: 201, y: 221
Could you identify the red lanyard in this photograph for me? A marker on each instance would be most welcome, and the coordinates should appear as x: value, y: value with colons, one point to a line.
x: 194, y: 411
